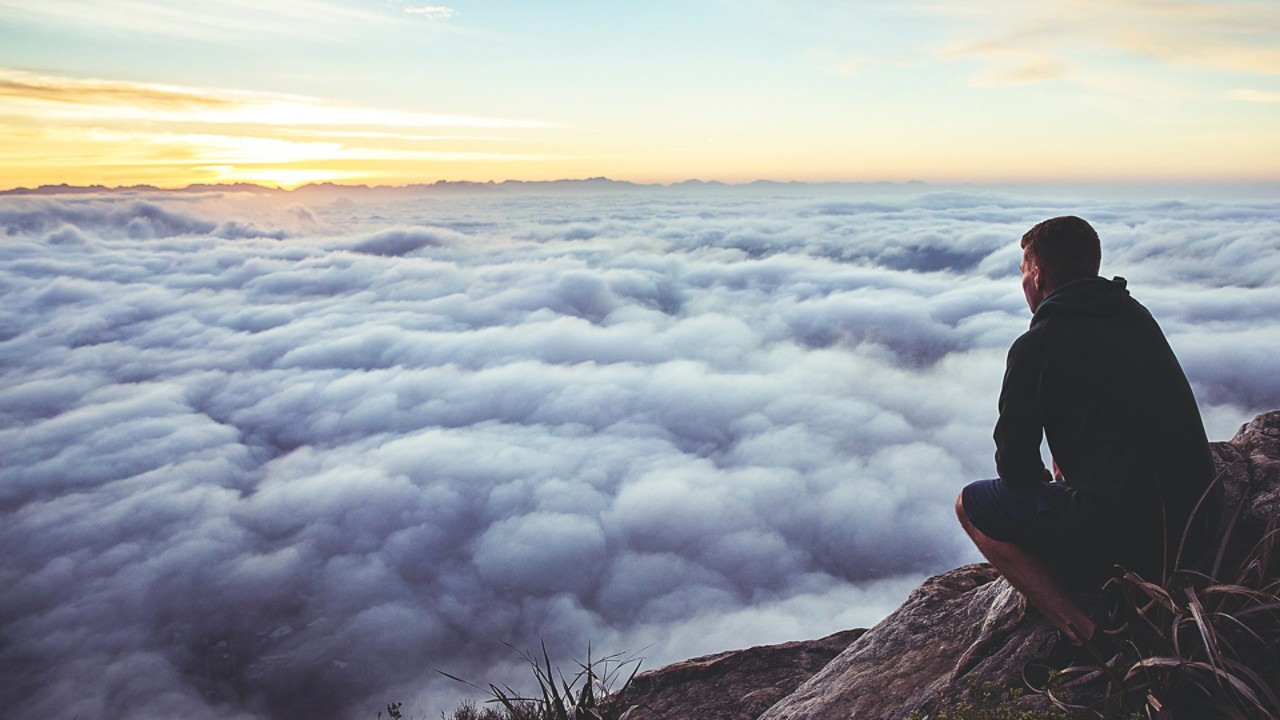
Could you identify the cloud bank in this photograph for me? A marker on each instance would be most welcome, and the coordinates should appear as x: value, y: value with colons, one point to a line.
x: 287, y: 457
x: 1051, y: 40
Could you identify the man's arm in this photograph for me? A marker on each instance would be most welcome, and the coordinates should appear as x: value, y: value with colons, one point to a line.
x: 1020, y: 427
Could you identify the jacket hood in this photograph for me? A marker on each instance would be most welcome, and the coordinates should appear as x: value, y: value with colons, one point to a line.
x: 1091, y: 297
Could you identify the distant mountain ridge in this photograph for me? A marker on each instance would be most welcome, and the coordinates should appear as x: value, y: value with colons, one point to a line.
x: 595, y: 183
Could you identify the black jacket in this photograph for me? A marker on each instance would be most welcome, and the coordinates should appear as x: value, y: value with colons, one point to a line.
x: 1097, y: 376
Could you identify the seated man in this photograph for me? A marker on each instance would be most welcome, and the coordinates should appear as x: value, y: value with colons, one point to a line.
x: 1096, y: 376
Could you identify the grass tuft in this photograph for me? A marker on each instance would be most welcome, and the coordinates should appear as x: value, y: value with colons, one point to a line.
x: 1200, y: 644
x: 594, y: 692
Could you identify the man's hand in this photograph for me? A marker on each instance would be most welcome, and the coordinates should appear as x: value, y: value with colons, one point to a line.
x: 1057, y: 474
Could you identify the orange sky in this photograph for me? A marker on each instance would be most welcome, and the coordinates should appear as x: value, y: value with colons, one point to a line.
x: 395, y: 92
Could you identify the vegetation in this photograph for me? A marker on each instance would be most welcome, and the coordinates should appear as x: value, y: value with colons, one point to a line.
x: 1205, y: 643
x: 991, y: 703
x: 593, y: 693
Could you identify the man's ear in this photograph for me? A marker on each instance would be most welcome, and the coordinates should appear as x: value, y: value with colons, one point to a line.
x: 1042, y: 280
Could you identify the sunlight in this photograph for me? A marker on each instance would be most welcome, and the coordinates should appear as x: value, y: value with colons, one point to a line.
x: 74, y: 99
x: 232, y: 149
x: 308, y: 112
x: 286, y: 178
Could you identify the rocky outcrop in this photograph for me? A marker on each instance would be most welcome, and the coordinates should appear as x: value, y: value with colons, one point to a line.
x: 964, y: 625
x: 958, y: 629
x: 735, y: 685
x: 969, y: 625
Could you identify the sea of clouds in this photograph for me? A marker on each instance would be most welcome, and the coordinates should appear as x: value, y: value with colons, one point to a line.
x: 288, y: 455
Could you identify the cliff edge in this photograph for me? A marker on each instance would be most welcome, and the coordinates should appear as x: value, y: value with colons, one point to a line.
x: 961, y: 628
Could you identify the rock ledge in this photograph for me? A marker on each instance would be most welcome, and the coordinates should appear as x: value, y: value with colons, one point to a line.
x: 962, y: 627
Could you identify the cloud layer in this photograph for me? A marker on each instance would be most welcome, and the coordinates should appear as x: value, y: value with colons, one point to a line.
x: 286, y: 458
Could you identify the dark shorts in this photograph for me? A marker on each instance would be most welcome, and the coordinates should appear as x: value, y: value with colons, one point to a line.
x: 1049, y: 521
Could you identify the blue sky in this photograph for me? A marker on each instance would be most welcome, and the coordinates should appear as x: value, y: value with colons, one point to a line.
x: 121, y: 91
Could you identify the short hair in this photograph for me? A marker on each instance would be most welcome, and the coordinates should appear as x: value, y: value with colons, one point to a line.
x: 1067, y: 248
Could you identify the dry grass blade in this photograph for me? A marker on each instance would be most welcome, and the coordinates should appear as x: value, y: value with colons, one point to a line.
x: 1232, y: 590
x: 1175, y: 636
x: 1156, y: 592
x: 1238, y: 685
x: 508, y: 698
x: 1204, y: 627
x: 1229, y: 530
x: 1242, y: 627
x: 1271, y: 607
x: 1062, y: 701
x: 1262, y: 685
x: 1262, y: 561
x: 555, y: 701
x: 455, y: 678
x: 1210, y: 490
x: 588, y: 695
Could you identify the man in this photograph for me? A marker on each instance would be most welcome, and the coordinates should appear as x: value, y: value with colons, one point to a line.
x: 1096, y: 376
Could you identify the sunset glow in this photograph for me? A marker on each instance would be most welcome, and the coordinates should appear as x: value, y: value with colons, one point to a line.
x: 107, y: 91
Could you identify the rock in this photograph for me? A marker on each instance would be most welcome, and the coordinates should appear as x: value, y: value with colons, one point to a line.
x: 735, y: 685
x: 969, y: 626
x: 959, y: 629
x: 1249, y: 466
x: 962, y: 624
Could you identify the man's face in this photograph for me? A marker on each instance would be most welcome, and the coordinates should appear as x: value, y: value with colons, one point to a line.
x: 1031, y: 282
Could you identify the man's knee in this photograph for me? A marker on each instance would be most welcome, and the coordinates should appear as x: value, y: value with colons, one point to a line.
x: 963, y: 516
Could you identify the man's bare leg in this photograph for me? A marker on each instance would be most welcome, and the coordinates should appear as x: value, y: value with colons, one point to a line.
x: 1031, y: 578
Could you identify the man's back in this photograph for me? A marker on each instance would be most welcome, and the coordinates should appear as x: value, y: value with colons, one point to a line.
x: 1096, y: 373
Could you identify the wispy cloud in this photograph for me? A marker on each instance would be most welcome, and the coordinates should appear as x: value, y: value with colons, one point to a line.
x: 847, y: 65
x: 1262, y: 96
x: 1234, y: 35
x: 431, y: 12
x: 1010, y: 65
x: 91, y: 99
x: 241, y: 149
x: 1027, y: 42
x: 226, y: 19
x: 93, y: 123
x: 29, y: 88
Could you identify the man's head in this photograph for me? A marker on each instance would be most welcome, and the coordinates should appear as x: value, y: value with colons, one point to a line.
x: 1054, y: 253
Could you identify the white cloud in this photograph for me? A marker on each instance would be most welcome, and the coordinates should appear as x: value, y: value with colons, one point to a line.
x: 226, y: 20
x: 1249, y: 95
x: 51, y: 98
x: 282, y: 456
x: 431, y: 12
x: 1028, y: 42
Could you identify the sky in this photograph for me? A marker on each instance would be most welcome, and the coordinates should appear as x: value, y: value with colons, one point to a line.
x: 120, y: 92
x: 276, y: 456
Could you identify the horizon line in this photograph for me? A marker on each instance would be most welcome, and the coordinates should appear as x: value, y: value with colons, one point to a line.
x: 67, y: 188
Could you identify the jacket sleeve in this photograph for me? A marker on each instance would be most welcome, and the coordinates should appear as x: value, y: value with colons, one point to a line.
x: 1021, y: 424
